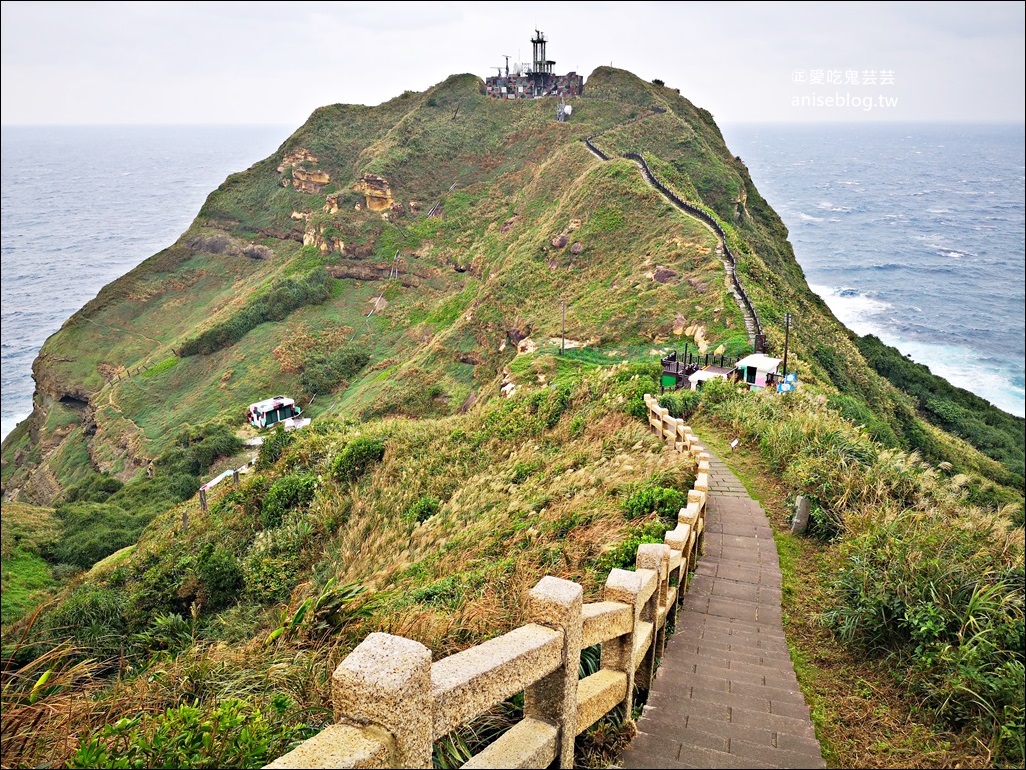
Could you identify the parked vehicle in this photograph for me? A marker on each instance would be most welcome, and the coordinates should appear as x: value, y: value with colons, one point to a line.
x: 277, y: 410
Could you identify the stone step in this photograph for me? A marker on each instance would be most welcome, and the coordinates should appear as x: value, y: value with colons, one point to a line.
x: 725, y: 694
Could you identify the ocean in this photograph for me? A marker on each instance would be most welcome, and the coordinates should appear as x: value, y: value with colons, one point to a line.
x: 83, y: 205
x: 912, y: 233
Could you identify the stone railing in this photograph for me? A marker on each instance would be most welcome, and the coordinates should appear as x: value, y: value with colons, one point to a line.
x: 392, y: 702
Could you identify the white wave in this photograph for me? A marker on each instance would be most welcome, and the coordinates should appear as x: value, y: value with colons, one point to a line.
x: 828, y: 206
x: 963, y: 368
x: 808, y: 217
x: 7, y: 424
x: 855, y: 310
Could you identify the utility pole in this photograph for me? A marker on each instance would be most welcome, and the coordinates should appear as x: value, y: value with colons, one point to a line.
x: 787, y: 336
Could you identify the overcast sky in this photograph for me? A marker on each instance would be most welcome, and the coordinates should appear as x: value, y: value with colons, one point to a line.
x: 275, y: 62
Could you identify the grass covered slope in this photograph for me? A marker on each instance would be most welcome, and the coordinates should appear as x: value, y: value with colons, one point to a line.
x: 430, y: 528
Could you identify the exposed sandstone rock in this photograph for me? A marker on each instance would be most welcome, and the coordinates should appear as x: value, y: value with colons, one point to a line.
x: 310, y: 180
x: 560, y: 241
x: 295, y: 158
x: 331, y: 204
x: 577, y: 248
x: 315, y: 236
x: 376, y: 191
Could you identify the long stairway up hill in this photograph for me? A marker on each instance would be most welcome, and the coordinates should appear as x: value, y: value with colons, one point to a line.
x: 725, y: 693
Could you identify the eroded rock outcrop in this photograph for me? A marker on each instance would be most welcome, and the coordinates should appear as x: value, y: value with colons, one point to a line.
x: 310, y: 180
x: 376, y: 191
x: 304, y: 178
x: 325, y: 238
x: 296, y: 157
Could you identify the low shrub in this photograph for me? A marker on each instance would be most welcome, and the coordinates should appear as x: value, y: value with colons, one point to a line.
x: 221, y: 575
x: 353, y: 461
x: 323, y: 373
x: 230, y: 733
x: 423, y: 509
x: 274, y: 447
x: 654, y: 499
x: 286, y: 493
x: 681, y: 403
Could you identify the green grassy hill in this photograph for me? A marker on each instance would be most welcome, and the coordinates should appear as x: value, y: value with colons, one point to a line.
x: 392, y: 268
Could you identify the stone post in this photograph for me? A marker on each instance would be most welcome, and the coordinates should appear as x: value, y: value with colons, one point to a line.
x: 617, y: 654
x: 656, y: 557
x: 558, y: 604
x: 386, y: 682
x: 801, y: 515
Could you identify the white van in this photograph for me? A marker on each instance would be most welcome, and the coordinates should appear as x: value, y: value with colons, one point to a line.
x: 279, y: 409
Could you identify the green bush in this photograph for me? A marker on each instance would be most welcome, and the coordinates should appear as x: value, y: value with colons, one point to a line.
x: 625, y: 554
x: 273, y: 561
x: 231, y: 733
x: 222, y: 578
x: 274, y: 305
x: 423, y: 509
x: 274, y: 447
x: 93, y: 620
x: 681, y: 403
x: 95, y: 489
x: 632, y: 383
x: 217, y: 441
x: 92, y: 531
x: 353, y: 461
x: 718, y: 391
x: 286, y: 493
x: 945, y: 604
x: 654, y: 499
x: 323, y: 373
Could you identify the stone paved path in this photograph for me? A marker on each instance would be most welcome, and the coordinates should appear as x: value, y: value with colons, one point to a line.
x: 725, y: 694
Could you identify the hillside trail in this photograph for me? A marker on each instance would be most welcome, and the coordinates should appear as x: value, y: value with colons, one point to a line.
x: 751, y: 325
x: 725, y: 693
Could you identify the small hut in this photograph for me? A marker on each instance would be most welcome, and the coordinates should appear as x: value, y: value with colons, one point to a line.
x: 758, y: 371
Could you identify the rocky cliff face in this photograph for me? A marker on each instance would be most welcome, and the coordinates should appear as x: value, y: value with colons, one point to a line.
x: 300, y: 164
x: 376, y: 191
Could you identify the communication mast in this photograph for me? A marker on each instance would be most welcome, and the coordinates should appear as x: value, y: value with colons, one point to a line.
x: 541, y: 64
